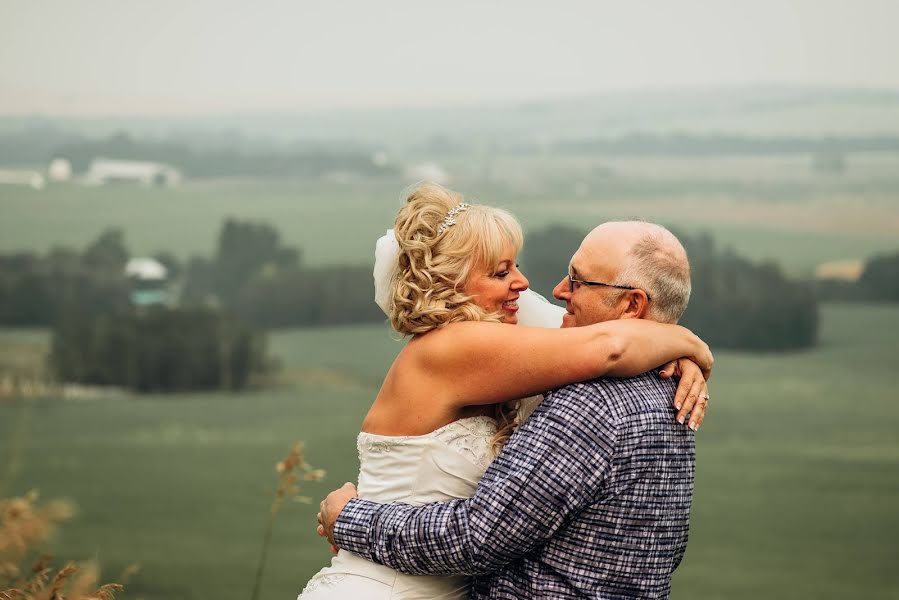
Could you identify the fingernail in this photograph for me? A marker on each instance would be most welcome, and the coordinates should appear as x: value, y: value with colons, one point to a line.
x: 693, y: 426
x: 677, y: 405
x: 680, y: 420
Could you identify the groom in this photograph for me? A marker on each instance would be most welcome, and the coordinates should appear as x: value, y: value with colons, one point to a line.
x: 591, y: 496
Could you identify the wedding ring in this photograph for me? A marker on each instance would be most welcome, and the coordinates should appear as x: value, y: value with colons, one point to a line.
x: 705, y: 397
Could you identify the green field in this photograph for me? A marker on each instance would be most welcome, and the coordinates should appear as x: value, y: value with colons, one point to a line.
x: 797, y: 475
x: 767, y: 208
x: 798, y: 471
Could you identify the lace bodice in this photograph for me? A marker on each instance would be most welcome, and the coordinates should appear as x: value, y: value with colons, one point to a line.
x: 442, y: 465
x: 415, y: 469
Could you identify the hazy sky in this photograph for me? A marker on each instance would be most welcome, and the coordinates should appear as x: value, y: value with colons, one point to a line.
x: 175, y: 56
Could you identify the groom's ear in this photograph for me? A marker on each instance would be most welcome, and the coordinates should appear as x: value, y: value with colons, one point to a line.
x: 637, y: 305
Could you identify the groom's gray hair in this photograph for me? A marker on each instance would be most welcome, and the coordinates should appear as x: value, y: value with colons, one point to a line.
x: 658, y: 264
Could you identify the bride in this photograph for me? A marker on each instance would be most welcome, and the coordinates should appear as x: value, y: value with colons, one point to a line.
x: 450, y: 399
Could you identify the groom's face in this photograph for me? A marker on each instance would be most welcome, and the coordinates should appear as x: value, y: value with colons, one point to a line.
x: 599, y: 259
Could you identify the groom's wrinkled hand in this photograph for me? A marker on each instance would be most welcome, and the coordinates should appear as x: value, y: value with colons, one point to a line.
x: 329, y: 510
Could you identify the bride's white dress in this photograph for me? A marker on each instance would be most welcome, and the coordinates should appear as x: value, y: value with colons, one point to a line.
x: 442, y: 465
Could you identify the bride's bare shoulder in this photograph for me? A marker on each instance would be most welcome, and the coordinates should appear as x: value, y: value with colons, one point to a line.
x: 452, y: 343
x: 453, y: 335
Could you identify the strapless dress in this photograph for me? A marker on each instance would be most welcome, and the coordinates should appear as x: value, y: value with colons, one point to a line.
x: 442, y: 465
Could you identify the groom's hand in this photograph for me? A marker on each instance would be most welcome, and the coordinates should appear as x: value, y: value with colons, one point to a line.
x: 329, y: 510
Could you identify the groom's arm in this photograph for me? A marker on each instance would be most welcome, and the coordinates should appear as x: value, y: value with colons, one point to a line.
x: 548, y: 472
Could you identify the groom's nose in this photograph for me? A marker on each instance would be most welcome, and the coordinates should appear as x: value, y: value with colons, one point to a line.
x: 562, y: 291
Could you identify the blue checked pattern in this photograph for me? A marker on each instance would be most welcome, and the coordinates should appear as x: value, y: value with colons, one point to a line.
x: 590, y: 498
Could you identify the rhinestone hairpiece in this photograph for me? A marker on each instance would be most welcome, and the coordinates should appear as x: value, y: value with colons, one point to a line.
x: 450, y: 219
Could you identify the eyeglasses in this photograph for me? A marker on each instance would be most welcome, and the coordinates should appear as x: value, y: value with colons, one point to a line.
x: 572, y: 281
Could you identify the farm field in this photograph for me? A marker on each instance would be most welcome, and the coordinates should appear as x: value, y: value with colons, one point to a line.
x: 766, y: 208
x: 797, y: 475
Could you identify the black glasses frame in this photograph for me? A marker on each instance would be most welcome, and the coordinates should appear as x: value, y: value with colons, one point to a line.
x: 572, y: 281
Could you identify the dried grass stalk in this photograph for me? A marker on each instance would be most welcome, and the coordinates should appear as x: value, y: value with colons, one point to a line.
x: 291, y: 470
x: 24, y: 526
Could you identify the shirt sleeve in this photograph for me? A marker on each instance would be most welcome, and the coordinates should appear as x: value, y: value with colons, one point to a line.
x: 550, y: 469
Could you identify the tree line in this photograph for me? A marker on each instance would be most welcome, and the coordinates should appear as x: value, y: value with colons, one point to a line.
x: 252, y: 275
x: 211, y: 333
x: 254, y: 278
x: 879, y: 282
x: 219, y: 159
x: 101, y: 337
x: 266, y: 283
x: 686, y: 144
x: 644, y: 144
x: 159, y: 349
x: 230, y: 153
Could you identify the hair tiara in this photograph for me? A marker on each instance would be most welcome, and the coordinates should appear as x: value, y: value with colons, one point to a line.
x: 450, y: 218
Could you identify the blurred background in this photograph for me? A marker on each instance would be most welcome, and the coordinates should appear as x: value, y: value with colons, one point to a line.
x: 190, y: 192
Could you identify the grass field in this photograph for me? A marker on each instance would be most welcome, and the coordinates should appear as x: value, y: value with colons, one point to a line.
x: 798, y: 472
x: 797, y: 475
x: 767, y: 208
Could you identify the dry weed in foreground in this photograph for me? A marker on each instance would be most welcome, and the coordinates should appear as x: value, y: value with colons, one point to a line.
x: 291, y: 471
x: 23, y: 526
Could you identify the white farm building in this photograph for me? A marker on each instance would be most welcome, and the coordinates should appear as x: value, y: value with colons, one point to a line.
x: 22, y: 177
x: 105, y: 170
x: 146, y: 269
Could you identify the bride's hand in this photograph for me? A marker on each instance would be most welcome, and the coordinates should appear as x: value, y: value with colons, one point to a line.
x: 692, y: 396
x: 329, y: 510
x: 703, y: 358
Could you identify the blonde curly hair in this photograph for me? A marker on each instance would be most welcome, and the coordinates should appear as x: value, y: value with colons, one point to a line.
x: 427, y: 286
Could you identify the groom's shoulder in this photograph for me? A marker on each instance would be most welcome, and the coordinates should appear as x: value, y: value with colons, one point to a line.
x: 617, y: 392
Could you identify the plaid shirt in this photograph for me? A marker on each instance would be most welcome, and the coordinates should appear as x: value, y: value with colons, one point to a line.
x: 590, y: 498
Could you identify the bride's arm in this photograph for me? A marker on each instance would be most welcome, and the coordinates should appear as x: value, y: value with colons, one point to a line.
x: 692, y: 395
x: 485, y: 363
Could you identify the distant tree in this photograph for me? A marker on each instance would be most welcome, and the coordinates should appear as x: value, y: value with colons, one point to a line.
x: 40, y: 290
x: 265, y: 283
x: 287, y: 299
x: 199, y: 282
x: 546, y: 255
x: 108, y: 253
x: 171, y: 263
x: 881, y: 277
x: 244, y: 249
x: 841, y: 290
x: 219, y: 159
x: 681, y: 144
x: 310, y: 296
x: 26, y: 297
x: 739, y: 304
x: 343, y: 295
x: 159, y: 350
x: 829, y: 162
x: 82, y: 151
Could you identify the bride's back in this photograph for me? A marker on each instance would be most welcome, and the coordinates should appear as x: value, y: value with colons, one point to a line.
x: 414, y: 399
